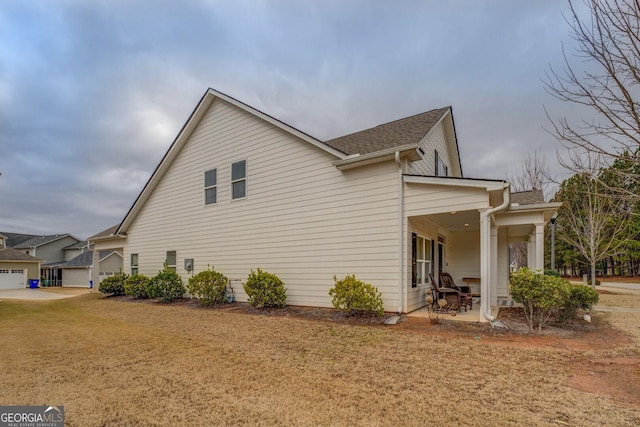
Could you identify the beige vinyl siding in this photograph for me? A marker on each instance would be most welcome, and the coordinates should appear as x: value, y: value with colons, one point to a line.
x: 423, y: 199
x: 111, y: 264
x: 302, y: 219
x: 464, y: 256
x: 76, y: 277
x: 436, y: 139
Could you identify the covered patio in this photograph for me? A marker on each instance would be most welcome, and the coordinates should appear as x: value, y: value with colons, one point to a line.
x: 465, y: 227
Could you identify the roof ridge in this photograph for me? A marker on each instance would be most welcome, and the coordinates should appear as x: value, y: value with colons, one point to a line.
x: 413, y: 115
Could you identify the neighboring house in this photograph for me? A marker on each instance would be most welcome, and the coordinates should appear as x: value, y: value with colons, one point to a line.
x: 78, y: 272
x: 238, y: 190
x: 50, y: 249
x: 75, y: 249
x: 16, y: 267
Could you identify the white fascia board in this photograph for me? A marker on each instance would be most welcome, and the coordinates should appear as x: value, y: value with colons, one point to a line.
x: 109, y: 237
x: 356, y: 160
x: 535, y: 207
x: 456, y: 182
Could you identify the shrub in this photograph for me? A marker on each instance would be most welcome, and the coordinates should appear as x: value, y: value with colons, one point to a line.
x: 550, y: 272
x: 166, y: 285
x: 113, y: 284
x: 356, y: 297
x: 265, y: 290
x: 539, y: 294
x: 209, y: 287
x: 580, y: 297
x: 137, y: 286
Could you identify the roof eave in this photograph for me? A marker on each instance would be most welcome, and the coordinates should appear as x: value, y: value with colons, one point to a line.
x: 535, y: 207
x: 110, y: 237
x: 358, y: 160
x: 489, y: 185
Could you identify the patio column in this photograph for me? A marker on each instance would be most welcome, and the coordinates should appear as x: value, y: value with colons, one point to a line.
x: 539, y: 247
x: 530, y: 252
x: 493, y: 276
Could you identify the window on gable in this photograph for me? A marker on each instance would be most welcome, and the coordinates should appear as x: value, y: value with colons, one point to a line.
x: 171, y: 260
x: 211, y: 187
x: 440, y: 169
x: 239, y: 180
x: 134, y: 264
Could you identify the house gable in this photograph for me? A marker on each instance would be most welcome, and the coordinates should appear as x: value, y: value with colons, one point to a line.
x: 415, y: 138
x: 441, y: 138
x: 193, y: 123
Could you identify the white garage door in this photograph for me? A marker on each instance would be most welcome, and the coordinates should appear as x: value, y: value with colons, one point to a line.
x: 12, y: 279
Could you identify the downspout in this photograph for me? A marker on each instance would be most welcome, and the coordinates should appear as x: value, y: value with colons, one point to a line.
x: 485, y: 249
x: 400, y: 232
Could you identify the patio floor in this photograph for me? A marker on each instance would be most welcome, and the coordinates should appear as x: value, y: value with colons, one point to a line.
x: 464, y: 316
x: 461, y: 316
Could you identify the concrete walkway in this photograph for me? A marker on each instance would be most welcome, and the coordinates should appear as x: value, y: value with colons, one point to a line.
x: 619, y: 286
x: 42, y: 294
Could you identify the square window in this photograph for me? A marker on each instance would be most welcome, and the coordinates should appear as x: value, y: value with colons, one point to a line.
x: 238, y: 189
x: 210, y: 196
x: 239, y: 170
x: 211, y: 178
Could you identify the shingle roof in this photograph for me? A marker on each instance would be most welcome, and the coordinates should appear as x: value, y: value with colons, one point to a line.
x: 105, y: 233
x: 39, y: 240
x: 14, y: 239
x: 409, y: 130
x: 527, y: 197
x: 10, y: 254
x: 78, y: 245
x: 85, y: 259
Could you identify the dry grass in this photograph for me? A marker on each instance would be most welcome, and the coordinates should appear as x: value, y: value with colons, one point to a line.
x: 619, y: 298
x: 112, y: 362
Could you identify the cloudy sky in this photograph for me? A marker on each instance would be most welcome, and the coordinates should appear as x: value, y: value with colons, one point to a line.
x: 92, y: 93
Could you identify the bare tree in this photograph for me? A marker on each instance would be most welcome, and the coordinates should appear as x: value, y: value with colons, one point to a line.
x: 591, y: 220
x: 532, y: 174
x: 605, y: 85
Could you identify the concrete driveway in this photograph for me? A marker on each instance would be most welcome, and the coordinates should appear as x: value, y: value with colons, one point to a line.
x: 42, y: 294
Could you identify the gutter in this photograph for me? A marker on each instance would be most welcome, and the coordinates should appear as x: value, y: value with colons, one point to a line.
x: 356, y: 160
x: 485, y: 249
x: 400, y: 231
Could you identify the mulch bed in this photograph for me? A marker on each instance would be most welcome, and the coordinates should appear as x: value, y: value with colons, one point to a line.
x: 575, y: 334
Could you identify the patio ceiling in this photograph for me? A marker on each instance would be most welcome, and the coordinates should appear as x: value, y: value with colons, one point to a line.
x: 457, y: 221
